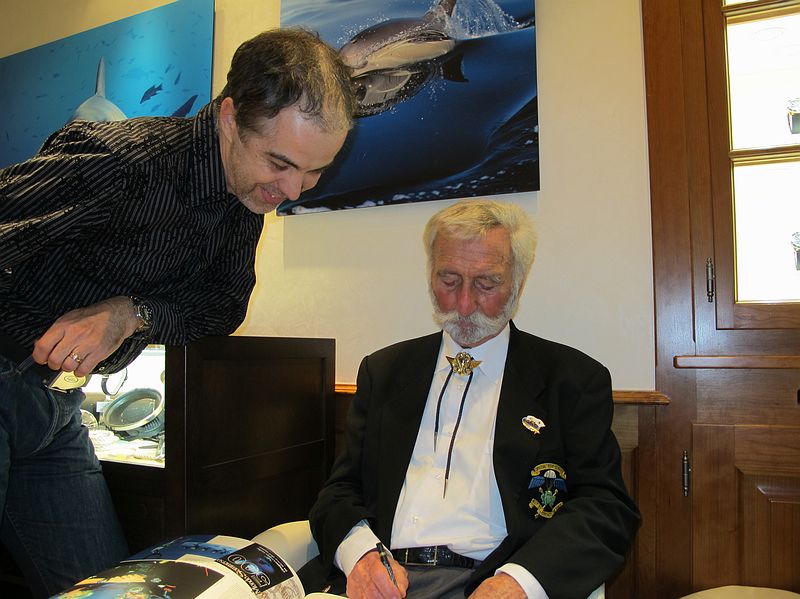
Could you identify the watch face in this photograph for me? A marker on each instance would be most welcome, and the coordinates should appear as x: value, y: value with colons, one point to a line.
x: 143, y: 313
x: 147, y: 314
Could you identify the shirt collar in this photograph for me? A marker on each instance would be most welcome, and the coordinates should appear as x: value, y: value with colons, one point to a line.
x: 491, y: 353
x: 207, y: 173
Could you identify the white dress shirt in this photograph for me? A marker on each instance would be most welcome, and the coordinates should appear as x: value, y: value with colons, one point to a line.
x: 469, y: 517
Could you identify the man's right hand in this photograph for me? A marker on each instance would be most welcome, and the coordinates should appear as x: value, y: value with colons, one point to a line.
x: 369, y: 579
x: 80, y: 339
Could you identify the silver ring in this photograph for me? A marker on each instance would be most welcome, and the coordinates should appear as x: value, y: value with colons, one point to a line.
x: 75, y: 357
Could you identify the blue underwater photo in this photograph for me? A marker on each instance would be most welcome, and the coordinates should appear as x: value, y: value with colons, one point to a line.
x: 447, y: 100
x: 154, y: 63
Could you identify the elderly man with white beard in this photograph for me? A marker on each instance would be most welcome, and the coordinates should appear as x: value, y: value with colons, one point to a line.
x: 479, y: 461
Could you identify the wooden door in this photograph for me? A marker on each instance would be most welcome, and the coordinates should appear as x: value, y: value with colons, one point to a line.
x: 746, y: 505
x: 728, y: 514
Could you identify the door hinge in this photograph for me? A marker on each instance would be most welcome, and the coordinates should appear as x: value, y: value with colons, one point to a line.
x: 710, y: 282
x: 687, y: 474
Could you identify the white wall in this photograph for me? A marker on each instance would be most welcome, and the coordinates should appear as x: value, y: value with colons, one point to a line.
x: 358, y: 275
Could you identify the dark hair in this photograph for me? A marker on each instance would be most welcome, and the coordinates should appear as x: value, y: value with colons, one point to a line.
x: 286, y: 67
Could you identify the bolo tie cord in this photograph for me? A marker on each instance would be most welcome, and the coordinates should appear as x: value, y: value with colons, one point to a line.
x: 455, y: 428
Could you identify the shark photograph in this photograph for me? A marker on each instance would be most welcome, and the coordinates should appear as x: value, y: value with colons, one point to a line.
x: 447, y: 100
x: 155, y: 63
x: 98, y: 107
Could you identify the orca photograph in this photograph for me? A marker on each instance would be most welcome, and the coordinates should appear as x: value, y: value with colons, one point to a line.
x: 447, y: 100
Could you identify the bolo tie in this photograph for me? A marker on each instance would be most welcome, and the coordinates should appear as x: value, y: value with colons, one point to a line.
x: 462, y: 364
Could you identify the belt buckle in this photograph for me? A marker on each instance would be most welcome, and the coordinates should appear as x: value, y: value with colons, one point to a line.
x: 65, y: 381
x: 57, y: 380
x: 425, y: 554
x: 418, y: 558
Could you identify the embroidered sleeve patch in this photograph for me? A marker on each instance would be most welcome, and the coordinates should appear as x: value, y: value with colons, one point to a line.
x: 549, y: 480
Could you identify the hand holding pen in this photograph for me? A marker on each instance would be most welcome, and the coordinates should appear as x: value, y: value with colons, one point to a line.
x: 376, y: 575
x: 384, y: 555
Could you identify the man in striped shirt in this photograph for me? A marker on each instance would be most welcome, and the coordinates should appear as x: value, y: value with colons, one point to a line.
x: 120, y: 234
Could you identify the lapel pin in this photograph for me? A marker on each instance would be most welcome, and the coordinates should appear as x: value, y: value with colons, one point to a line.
x: 533, y: 424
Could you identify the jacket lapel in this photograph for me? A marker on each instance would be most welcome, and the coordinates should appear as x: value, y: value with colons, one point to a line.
x: 516, y: 447
x: 400, y: 421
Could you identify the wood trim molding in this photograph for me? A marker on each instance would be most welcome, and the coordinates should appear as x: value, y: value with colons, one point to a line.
x: 650, y: 398
x: 620, y: 397
x: 736, y: 361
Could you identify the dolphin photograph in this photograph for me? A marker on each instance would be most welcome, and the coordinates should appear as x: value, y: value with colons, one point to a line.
x: 447, y: 100
x: 155, y: 63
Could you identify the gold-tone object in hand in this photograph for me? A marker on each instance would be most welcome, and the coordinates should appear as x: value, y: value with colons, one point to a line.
x: 56, y: 380
x: 66, y: 381
x: 463, y: 363
x: 76, y: 357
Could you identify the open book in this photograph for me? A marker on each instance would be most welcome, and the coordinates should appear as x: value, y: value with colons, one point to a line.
x: 196, y: 567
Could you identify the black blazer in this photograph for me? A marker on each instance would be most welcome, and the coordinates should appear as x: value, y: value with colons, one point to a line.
x: 570, y: 553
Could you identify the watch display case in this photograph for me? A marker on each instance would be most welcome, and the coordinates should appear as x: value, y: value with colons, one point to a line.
x: 125, y: 411
x: 245, y: 440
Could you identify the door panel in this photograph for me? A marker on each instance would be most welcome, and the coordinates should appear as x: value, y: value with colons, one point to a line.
x: 771, y: 529
x: 671, y: 139
x: 714, y: 507
x: 732, y: 396
x: 746, y: 506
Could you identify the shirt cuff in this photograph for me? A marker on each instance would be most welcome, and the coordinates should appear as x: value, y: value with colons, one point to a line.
x: 525, y: 579
x: 355, y: 544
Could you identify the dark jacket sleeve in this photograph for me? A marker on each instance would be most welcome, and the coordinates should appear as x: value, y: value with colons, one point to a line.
x: 340, y: 504
x: 213, y: 300
x: 585, y: 542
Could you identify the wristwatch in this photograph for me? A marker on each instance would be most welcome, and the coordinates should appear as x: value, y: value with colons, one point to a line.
x: 144, y: 314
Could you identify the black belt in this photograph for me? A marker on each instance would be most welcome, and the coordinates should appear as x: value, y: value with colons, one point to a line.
x: 438, y: 555
x: 16, y: 353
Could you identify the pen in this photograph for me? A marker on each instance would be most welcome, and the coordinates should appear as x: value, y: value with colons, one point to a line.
x: 385, y: 560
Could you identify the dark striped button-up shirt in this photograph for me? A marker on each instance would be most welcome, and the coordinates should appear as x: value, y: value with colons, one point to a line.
x: 137, y: 207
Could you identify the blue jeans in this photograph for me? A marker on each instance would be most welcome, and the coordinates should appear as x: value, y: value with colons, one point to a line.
x: 57, y: 517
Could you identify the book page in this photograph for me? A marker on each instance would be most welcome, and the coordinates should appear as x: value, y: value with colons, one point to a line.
x: 196, y: 567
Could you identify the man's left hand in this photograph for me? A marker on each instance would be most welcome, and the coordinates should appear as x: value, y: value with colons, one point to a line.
x: 499, y: 586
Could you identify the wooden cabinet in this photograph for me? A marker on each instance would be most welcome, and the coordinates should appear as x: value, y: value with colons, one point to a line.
x: 249, y: 440
x: 746, y: 495
x: 730, y: 367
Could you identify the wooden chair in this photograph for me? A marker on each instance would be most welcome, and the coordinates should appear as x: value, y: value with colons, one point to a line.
x: 737, y: 592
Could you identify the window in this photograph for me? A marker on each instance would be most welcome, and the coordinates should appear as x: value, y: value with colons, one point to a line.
x: 757, y: 182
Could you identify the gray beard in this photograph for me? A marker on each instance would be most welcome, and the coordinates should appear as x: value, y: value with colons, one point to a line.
x: 467, y: 331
